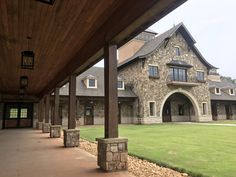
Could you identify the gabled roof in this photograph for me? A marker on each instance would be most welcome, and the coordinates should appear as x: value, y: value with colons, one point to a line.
x: 150, y: 46
x: 82, y: 90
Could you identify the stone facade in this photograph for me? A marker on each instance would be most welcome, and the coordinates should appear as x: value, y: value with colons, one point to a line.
x: 71, y: 137
x: 126, y: 112
x: 112, y: 154
x: 39, y: 125
x: 46, y: 128
x: 156, y: 89
x: 55, y: 131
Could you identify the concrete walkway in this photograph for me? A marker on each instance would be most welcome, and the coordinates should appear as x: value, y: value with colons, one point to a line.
x: 199, y: 123
x: 29, y: 153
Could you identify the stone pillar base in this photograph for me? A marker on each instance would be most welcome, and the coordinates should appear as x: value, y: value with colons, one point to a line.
x: 39, y: 125
x: 55, y: 131
x: 112, y: 154
x: 46, y: 128
x: 71, y: 137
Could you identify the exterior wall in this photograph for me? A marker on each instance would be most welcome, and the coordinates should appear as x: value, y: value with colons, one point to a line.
x: 149, y: 89
x: 221, y: 112
x: 129, y: 49
x: 234, y: 111
x: 98, y: 107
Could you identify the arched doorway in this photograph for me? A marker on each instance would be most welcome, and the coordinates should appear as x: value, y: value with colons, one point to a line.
x: 180, y: 106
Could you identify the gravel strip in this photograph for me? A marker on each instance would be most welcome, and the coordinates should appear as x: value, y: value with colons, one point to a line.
x: 137, y: 167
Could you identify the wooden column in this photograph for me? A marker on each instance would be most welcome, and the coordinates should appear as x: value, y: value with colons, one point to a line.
x: 56, y: 107
x: 111, y: 94
x: 47, y: 108
x: 72, y: 102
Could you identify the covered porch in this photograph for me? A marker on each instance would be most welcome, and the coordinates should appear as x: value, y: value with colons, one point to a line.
x: 45, y: 44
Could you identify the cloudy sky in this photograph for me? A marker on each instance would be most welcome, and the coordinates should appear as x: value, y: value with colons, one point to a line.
x: 213, y: 26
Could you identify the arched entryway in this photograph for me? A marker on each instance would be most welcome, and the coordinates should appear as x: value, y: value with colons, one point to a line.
x: 179, y: 106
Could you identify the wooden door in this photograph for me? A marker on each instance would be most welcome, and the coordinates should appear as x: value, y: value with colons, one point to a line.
x: 88, y: 115
x: 214, y: 111
x: 18, y: 115
x: 166, y: 113
x: 228, y: 112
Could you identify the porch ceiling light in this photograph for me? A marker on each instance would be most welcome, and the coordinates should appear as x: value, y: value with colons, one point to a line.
x: 47, y: 1
x: 23, y: 82
x: 27, y: 60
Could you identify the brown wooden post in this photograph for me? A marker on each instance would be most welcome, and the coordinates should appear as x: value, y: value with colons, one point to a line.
x: 111, y: 97
x: 72, y: 102
x: 56, y: 107
x: 47, y: 108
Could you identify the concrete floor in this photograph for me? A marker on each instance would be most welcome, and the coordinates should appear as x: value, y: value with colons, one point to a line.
x: 29, y: 153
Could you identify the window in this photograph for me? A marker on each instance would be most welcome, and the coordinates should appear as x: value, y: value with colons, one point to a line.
x: 13, y: 113
x: 217, y: 91
x: 152, y: 108
x: 153, y: 71
x: 181, y: 109
x: 231, y: 91
x: 204, y: 108
x: 178, y: 74
x: 200, y: 75
x: 23, y: 112
x: 177, y: 51
x: 120, y: 85
x: 92, y: 83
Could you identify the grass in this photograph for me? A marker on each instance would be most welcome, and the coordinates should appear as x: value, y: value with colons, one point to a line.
x: 206, y: 150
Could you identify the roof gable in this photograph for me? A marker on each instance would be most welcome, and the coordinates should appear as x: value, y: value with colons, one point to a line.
x: 152, y: 45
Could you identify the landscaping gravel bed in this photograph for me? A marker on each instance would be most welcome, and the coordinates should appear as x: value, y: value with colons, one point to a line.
x: 137, y: 167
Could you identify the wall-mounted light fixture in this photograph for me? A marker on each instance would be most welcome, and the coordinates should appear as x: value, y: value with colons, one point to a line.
x: 23, y: 82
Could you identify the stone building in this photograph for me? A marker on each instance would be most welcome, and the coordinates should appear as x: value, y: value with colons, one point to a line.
x: 169, y: 76
x: 90, y: 99
x: 223, y: 97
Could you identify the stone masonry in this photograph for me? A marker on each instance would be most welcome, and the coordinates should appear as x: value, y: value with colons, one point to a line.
x: 71, y: 137
x: 39, y: 125
x: 46, y: 128
x: 112, y: 154
x: 156, y: 89
x: 55, y: 131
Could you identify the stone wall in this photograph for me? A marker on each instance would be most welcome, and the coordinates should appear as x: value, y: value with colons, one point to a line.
x: 127, y: 113
x: 150, y: 89
x: 222, y: 112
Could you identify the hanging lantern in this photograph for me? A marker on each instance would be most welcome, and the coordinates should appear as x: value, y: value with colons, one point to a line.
x: 23, y: 81
x: 27, y: 60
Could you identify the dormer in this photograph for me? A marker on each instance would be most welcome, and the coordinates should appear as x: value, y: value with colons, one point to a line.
x: 120, y: 84
x: 217, y: 91
x: 90, y: 81
x: 231, y: 91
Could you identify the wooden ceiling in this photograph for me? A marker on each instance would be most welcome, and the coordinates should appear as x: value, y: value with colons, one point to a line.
x: 67, y: 37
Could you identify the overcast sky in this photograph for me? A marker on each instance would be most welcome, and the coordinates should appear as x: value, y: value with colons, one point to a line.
x: 213, y: 25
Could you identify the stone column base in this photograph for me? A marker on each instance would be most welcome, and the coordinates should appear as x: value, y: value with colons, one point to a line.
x: 71, y: 137
x: 39, y: 125
x: 112, y: 154
x: 46, y: 128
x: 55, y: 131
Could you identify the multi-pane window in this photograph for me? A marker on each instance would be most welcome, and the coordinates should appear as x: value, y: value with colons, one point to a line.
x: 200, y: 76
x: 13, y: 113
x: 152, y: 108
x: 120, y: 85
x: 178, y: 74
x: 92, y: 83
x: 177, y: 51
x: 23, y: 112
x: 204, y: 108
x: 153, y: 71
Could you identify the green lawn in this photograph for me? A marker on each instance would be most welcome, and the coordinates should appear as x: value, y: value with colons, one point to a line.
x: 207, y: 150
